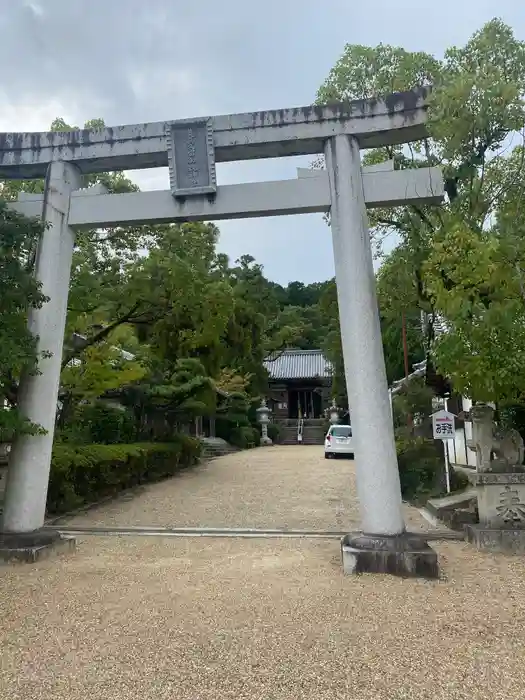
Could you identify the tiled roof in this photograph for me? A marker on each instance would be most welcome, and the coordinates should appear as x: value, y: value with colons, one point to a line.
x: 298, y: 364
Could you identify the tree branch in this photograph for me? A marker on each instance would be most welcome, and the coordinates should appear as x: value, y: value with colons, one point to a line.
x: 424, y: 218
x: 392, y: 224
x: 102, y: 334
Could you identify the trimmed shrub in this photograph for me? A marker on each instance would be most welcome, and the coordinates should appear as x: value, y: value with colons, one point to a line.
x: 245, y: 437
x: 106, y: 424
x: 274, y: 432
x: 421, y: 467
x: 256, y: 438
x: 99, y: 423
x: 83, y: 474
x: 458, y: 480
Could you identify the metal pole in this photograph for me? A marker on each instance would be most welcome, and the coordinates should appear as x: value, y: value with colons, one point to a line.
x: 447, y: 464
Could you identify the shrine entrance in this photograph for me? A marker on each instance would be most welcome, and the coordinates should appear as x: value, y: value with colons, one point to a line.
x: 304, y: 403
x: 191, y: 148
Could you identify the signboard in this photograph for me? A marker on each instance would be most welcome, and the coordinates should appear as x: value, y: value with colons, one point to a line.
x: 443, y: 425
x: 191, y: 157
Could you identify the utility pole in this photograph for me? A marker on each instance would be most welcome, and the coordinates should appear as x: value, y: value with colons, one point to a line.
x: 405, y: 357
x: 405, y: 346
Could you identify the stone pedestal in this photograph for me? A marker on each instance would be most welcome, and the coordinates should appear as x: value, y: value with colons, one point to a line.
x: 501, y: 506
x: 500, y: 485
x: 407, y: 555
x: 30, y: 547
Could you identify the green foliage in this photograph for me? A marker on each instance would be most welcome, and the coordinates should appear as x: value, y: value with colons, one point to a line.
x: 236, y: 420
x: 102, y: 369
x: 169, y: 398
x: 188, y: 318
x: 397, y: 295
x: 458, y: 480
x: 185, y: 394
x: 232, y: 418
x: 19, y: 292
x: 235, y: 408
x: 462, y: 262
x: 244, y: 436
x: 82, y: 474
x: 413, y: 400
x: 274, y: 432
x: 479, y: 95
x: 99, y: 423
x: 363, y: 72
x: 421, y: 467
x: 331, y: 342
x: 483, y: 351
x: 512, y: 416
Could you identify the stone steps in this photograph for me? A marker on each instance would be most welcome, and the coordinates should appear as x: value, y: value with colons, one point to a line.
x: 312, y: 435
x: 216, y: 447
x: 455, y: 510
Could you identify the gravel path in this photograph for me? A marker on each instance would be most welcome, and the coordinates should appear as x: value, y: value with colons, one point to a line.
x: 278, y: 487
x: 170, y: 619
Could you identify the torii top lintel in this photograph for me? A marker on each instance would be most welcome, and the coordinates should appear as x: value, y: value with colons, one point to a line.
x: 397, y: 118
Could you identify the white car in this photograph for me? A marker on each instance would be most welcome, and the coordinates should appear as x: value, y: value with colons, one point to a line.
x: 338, y: 441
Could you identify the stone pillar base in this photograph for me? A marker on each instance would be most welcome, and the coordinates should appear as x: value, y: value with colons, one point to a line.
x: 407, y: 555
x: 506, y: 540
x: 29, y: 547
x: 266, y: 441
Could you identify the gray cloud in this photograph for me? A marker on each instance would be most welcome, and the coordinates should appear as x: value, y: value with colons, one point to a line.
x: 130, y: 61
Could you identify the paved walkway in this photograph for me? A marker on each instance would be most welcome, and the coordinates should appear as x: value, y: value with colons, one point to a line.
x: 159, y: 618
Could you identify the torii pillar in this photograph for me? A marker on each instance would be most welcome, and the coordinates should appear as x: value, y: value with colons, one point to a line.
x: 384, y: 546
x: 22, y: 536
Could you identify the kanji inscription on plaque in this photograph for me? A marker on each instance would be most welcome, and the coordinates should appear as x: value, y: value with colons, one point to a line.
x: 191, y: 157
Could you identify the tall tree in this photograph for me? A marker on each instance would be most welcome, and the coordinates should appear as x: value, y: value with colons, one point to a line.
x: 476, y: 109
x: 398, y: 297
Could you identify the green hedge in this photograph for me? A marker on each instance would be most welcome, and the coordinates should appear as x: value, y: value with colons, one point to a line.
x: 274, y: 432
x: 245, y: 437
x: 422, y: 469
x: 421, y: 466
x: 82, y: 474
x: 99, y: 423
x: 106, y: 424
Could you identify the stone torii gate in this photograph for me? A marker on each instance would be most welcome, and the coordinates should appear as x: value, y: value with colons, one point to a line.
x: 191, y: 148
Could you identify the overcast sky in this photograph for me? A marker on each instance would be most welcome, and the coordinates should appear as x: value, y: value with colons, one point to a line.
x: 151, y: 60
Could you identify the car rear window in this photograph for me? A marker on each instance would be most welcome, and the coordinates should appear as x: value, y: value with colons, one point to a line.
x: 342, y: 431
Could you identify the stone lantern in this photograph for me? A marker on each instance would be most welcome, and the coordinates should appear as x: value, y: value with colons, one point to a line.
x: 263, y: 416
x: 334, y: 414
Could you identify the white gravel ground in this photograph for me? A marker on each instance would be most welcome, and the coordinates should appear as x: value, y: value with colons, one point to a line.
x: 288, y: 487
x: 193, y: 619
